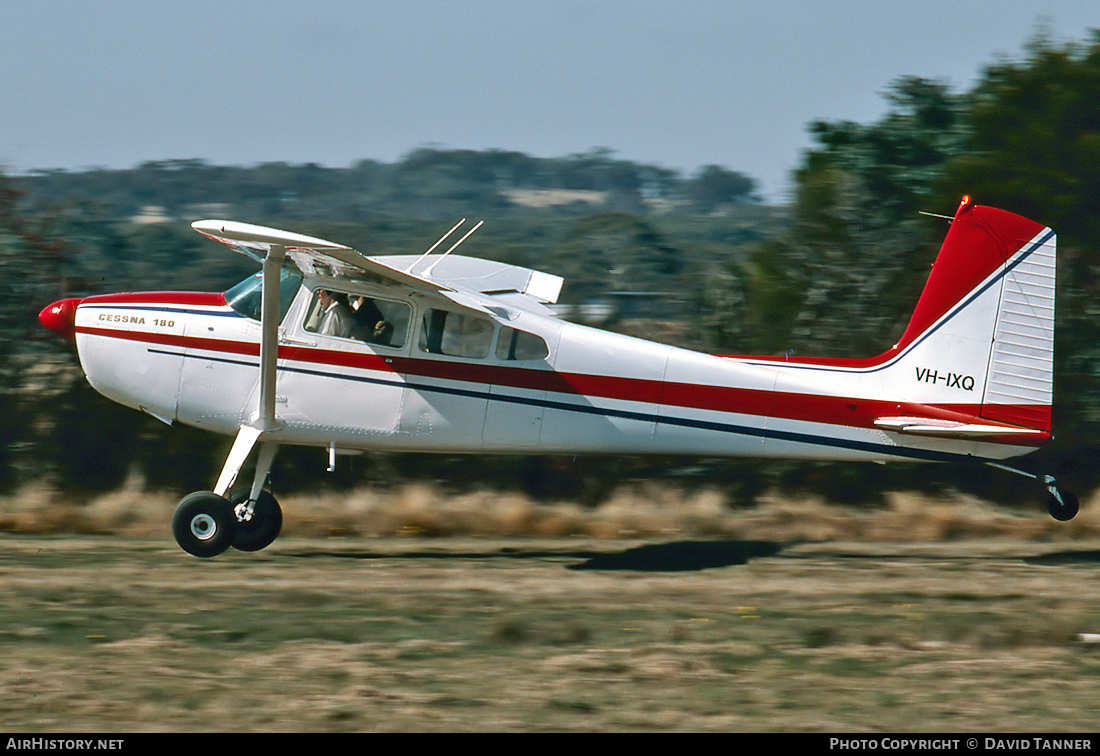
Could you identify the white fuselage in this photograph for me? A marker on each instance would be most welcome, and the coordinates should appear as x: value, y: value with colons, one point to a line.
x: 191, y: 358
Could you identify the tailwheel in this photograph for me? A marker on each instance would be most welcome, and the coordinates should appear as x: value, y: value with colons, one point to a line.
x: 204, y: 524
x: 1062, y: 505
x: 258, y: 525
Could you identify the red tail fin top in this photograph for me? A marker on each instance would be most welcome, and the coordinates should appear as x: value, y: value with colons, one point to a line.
x: 980, y: 241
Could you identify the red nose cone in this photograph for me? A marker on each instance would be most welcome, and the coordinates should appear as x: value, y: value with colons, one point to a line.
x: 60, y: 317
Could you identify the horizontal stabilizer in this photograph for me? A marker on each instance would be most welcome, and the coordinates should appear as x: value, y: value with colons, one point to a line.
x: 924, y: 426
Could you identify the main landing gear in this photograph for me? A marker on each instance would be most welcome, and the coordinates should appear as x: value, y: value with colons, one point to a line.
x: 205, y: 524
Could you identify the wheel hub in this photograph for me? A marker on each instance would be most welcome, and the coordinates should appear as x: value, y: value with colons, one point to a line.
x: 203, y: 527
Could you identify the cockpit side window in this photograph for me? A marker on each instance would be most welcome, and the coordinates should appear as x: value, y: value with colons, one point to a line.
x: 383, y: 322
x: 246, y: 297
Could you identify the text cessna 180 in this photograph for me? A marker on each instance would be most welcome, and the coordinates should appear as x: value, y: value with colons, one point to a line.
x: 439, y: 352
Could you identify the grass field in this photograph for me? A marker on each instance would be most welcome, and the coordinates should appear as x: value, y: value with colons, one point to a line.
x: 789, y: 617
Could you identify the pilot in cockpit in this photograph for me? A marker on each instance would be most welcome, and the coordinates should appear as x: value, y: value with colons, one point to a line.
x: 338, y: 318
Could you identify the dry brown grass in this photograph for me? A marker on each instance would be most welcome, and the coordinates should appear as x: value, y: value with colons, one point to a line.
x: 126, y: 634
x: 645, y: 510
x: 410, y: 610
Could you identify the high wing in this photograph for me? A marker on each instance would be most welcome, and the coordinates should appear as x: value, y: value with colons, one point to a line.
x: 478, y: 285
x: 467, y: 282
x: 490, y: 283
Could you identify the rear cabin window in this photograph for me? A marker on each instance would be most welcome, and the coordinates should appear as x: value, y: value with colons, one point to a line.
x: 381, y: 322
x: 456, y: 334
x: 520, y: 345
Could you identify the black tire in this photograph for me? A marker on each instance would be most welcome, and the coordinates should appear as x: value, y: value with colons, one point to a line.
x: 263, y: 528
x: 204, y: 524
x: 1063, y: 510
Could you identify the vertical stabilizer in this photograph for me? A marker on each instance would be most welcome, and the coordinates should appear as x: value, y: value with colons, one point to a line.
x: 985, y: 319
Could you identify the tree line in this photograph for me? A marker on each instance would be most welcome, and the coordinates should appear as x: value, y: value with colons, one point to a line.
x: 429, y: 182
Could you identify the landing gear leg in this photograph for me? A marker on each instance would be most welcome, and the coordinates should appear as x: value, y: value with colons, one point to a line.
x: 259, y: 517
x: 201, y: 523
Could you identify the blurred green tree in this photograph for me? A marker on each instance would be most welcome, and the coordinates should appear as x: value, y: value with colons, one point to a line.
x: 1033, y: 147
x: 715, y: 187
x: 615, y: 252
x: 35, y: 268
x: 843, y: 277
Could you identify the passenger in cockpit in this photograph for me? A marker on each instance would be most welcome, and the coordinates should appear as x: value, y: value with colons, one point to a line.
x: 371, y: 324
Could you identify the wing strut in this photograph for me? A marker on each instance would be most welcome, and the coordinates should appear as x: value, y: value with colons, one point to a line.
x: 269, y: 336
x: 263, y: 422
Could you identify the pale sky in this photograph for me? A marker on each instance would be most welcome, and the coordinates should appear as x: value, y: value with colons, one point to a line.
x: 679, y: 84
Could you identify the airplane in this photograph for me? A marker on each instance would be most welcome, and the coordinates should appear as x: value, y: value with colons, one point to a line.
x: 439, y: 352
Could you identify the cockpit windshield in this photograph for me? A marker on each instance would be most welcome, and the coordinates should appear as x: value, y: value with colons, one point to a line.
x: 246, y: 296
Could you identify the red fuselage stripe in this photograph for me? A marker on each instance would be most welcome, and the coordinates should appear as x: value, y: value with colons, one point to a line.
x: 185, y: 298
x: 814, y: 408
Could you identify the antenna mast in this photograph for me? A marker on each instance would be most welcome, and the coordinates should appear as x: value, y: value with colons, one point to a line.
x: 431, y: 248
x: 453, y: 247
